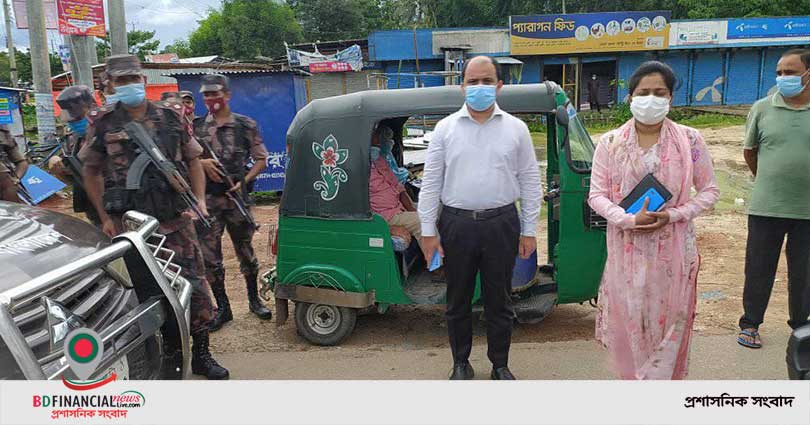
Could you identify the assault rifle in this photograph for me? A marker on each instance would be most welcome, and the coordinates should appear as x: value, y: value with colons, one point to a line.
x: 152, y: 154
x: 72, y: 162
x: 232, y: 195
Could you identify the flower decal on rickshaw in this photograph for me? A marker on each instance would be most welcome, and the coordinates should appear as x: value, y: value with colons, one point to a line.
x: 331, y: 175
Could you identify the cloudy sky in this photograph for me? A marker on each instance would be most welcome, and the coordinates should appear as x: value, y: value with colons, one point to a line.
x: 170, y: 19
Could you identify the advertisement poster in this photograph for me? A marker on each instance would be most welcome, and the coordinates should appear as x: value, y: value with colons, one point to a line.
x: 21, y: 14
x: 769, y: 27
x: 351, y: 57
x: 329, y: 67
x: 589, y: 32
x: 697, y: 33
x: 81, y: 17
x: 5, y: 111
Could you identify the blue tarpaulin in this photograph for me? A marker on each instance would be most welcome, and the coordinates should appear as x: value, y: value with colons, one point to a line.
x: 270, y: 98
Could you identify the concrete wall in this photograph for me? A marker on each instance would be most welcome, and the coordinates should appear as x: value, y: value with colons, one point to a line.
x: 489, y: 41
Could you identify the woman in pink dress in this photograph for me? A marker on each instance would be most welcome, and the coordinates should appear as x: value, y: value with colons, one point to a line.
x: 648, y: 293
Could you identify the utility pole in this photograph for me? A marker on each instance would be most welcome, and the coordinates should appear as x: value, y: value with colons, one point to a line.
x: 118, y: 27
x: 12, y: 57
x: 82, y: 58
x: 563, y: 2
x: 41, y: 68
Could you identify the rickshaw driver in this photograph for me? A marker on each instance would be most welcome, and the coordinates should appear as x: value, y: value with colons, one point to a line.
x: 387, y: 195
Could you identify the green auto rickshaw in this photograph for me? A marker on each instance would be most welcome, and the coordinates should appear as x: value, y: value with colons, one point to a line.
x: 335, y: 258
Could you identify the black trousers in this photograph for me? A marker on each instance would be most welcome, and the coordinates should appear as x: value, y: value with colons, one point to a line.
x: 487, y: 246
x: 765, y: 238
x: 595, y: 106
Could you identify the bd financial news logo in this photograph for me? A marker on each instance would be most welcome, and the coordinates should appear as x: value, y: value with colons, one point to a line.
x: 84, y: 350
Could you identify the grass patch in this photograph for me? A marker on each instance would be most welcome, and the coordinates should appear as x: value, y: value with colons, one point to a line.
x: 539, y: 141
x: 713, y: 120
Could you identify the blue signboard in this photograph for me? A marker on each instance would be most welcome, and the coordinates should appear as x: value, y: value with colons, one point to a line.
x: 769, y: 27
x: 5, y: 110
x: 39, y: 185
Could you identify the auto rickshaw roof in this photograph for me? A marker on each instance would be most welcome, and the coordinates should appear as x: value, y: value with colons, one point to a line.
x: 328, y: 141
x: 522, y: 98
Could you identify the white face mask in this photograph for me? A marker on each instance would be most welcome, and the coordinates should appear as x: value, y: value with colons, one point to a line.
x: 649, y: 109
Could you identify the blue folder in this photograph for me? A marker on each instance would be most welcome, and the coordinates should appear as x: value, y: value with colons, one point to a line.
x: 648, y: 188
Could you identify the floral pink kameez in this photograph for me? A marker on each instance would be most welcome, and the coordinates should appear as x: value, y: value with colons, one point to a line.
x: 648, y: 293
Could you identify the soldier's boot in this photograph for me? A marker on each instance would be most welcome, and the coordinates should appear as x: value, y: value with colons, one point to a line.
x: 256, y: 305
x: 202, y: 362
x: 223, y: 313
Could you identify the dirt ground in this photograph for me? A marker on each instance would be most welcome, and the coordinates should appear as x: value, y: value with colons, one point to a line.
x: 721, y: 233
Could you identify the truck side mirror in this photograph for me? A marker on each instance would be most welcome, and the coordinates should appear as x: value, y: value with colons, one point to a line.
x: 561, y: 116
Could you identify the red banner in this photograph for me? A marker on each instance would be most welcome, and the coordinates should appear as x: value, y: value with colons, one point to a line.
x: 81, y: 17
x: 329, y: 67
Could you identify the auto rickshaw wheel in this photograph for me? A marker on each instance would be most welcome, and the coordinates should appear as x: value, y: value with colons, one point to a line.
x: 323, y: 324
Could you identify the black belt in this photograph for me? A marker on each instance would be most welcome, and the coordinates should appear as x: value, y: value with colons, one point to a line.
x: 479, y: 214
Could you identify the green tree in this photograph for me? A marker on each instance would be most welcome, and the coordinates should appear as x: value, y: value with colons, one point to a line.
x: 140, y: 43
x: 329, y: 19
x: 181, y: 47
x: 205, y: 39
x: 5, y: 69
x: 244, y: 29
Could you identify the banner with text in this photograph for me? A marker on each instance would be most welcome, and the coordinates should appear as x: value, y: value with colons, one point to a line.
x: 81, y: 17
x: 796, y: 26
x: 351, y: 57
x: 589, y: 32
x: 697, y: 33
x: 21, y: 14
x: 5, y: 111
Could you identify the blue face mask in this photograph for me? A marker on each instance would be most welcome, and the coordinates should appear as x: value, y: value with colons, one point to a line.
x: 111, y: 99
x: 790, y: 85
x: 131, y: 94
x: 480, y: 97
x: 78, y: 127
x: 374, y: 153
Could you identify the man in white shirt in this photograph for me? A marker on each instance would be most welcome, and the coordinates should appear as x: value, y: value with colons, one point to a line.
x: 480, y: 161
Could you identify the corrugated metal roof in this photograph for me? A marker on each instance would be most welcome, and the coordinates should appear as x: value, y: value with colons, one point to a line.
x: 200, y: 59
x: 234, y: 71
x: 507, y: 60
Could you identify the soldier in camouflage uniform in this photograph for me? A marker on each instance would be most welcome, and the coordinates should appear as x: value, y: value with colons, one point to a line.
x: 12, y: 166
x: 235, y: 139
x: 106, y: 164
x: 76, y: 102
x: 188, y: 102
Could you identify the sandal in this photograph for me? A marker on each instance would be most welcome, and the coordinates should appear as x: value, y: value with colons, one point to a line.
x: 751, y: 333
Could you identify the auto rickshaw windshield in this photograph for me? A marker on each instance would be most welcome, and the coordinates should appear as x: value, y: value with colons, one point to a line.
x: 581, y: 148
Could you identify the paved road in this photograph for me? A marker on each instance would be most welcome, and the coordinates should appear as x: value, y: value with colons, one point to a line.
x: 713, y: 357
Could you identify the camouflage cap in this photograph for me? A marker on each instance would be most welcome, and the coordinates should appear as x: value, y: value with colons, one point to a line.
x: 73, y: 98
x: 214, y: 82
x: 185, y: 93
x: 75, y: 94
x: 167, y: 95
x: 120, y: 65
